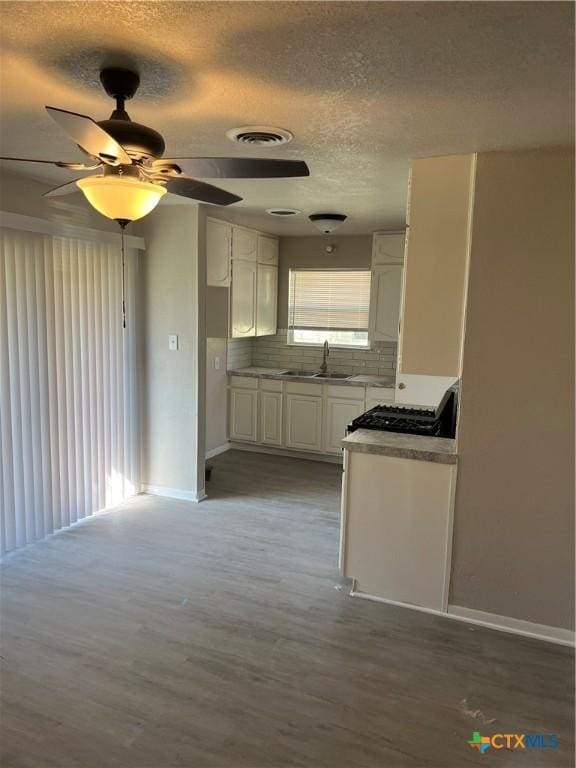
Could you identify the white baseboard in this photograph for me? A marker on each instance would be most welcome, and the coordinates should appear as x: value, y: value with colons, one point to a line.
x: 490, y: 620
x: 269, y: 449
x: 217, y: 451
x: 174, y: 493
x: 510, y: 624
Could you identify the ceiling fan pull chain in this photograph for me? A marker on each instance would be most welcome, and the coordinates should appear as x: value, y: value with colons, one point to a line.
x: 122, y: 228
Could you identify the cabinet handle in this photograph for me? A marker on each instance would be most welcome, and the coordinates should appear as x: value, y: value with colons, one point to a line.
x: 401, y: 385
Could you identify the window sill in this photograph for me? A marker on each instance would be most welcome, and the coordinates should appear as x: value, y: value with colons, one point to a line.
x: 367, y: 348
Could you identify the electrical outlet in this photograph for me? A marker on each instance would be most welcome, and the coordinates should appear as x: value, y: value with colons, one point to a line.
x: 173, y: 342
x: 217, y: 363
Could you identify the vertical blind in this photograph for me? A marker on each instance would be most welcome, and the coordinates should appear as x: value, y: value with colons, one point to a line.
x: 329, y: 299
x: 68, y: 389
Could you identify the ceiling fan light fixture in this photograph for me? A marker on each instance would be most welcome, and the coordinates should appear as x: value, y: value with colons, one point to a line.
x: 121, y: 197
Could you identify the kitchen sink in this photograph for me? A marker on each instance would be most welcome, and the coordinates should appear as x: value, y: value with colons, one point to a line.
x: 308, y: 374
x: 335, y: 376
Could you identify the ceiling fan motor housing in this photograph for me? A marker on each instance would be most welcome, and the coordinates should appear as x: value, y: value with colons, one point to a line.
x: 139, y: 141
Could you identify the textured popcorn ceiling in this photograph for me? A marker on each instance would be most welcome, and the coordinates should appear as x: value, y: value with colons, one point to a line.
x: 364, y: 87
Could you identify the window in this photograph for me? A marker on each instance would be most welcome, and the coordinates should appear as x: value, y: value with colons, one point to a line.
x: 329, y: 305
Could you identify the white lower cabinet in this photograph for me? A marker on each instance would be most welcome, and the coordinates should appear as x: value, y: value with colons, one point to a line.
x: 304, y: 422
x: 244, y: 415
x: 396, y: 528
x: 339, y: 413
x: 271, y: 418
x: 302, y: 416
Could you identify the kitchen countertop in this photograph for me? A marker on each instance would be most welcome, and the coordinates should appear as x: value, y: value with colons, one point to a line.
x: 440, y: 450
x: 280, y: 373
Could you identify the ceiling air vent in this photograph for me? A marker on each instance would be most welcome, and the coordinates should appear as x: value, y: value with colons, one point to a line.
x: 259, y: 136
x: 283, y: 211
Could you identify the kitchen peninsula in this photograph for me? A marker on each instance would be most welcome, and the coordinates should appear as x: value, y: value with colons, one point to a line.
x: 397, y: 513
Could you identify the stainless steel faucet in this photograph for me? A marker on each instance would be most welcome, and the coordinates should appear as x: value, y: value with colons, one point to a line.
x: 324, y: 366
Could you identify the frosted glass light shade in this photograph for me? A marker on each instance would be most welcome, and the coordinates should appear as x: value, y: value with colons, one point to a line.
x: 121, y: 197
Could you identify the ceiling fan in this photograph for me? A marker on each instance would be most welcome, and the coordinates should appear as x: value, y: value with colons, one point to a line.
x: 132, y: 174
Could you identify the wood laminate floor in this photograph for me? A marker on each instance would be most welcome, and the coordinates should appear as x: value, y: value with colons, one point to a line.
x: 219, y: 634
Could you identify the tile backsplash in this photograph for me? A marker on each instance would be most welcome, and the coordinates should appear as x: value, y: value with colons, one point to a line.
x: 239, y: 354
x: 274, y: 352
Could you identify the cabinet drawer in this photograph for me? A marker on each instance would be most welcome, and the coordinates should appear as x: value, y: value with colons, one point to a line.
x: 244, y: 382
x: 303, y: 388
x: 343, y: 392
x: 271, y: 385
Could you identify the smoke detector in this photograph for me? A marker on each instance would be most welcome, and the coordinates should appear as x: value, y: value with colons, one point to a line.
x: 327, y: 222
x: 283, y: 211
x: 259, y: 135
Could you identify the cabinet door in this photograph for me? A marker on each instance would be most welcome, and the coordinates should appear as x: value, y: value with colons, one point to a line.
x: 243, y: 414
x: 271, y: 418
x: 385, y: 294
x: 218, y: 249
x: 266, y: 298
x: 244, y: 244
x: 267, y: 250
x: 304, y: 422
x: 243, y: 300
x: 388, y: 249
x: 339, y: 413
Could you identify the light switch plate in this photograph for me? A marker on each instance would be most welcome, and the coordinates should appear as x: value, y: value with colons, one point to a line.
x: 173, y: 342
x: 217, y: 363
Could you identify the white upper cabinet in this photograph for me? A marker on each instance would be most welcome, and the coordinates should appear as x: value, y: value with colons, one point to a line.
x: 254, y: 282
x: 267, y: 250
x: 218, y: 251
x: 244, y: 244
x: 266, y: 299
x: 386, y: 286
x: 385, y: 295
x: 243, y: 299
x: 387, y: 249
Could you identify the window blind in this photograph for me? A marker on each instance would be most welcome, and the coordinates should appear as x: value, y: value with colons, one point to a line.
x: 322, y: 299
x: 68, y: 391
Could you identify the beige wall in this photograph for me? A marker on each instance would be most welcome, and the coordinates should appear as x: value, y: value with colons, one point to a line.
x: 173, y: 450
x: 514, y: 519
x: 301, y: 252
x: 216, y: 394
x: 436, y: 266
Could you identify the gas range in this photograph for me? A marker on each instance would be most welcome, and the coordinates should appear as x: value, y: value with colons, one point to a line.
x: 413, y: 420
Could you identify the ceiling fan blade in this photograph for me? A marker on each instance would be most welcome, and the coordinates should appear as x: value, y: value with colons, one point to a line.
x: 59, y: 163
x: 63, y: 189
x: 237, y: 167
x: 198, y: 190
x: 90, y: 137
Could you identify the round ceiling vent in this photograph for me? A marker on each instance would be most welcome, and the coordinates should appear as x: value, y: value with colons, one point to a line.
x: 283, y: 211
x: 259, y: 136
